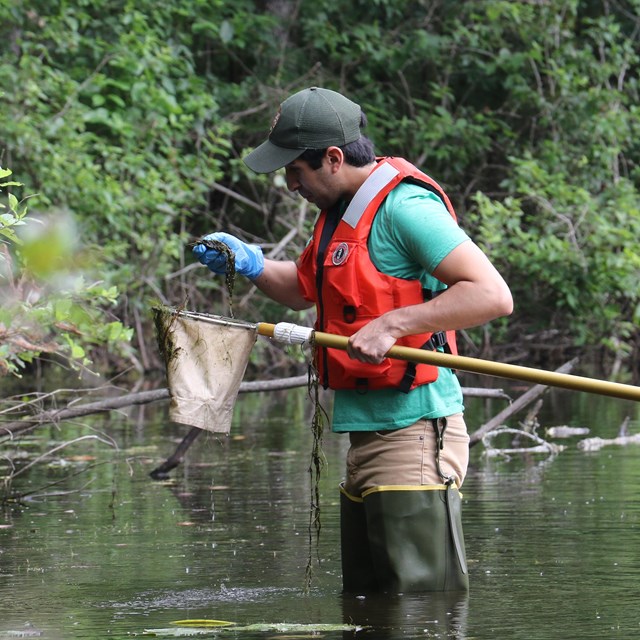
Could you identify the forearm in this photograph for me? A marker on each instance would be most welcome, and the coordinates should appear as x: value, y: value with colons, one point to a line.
x: 461, y: 306
x: 476, y: 294
x: 279, y: 281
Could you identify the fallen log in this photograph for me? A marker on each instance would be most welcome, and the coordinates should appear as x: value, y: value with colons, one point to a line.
x: 564, y: 431
x: 525, y: 399
x: 161, y: 472
x: 142, y: 397
x: 594, y: 444
x: 539, y: 445
x: 622, y: 439
x: 55, y: 416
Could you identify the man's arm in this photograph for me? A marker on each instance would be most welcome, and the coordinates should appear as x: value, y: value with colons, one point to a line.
x: 477, y: 293
x: 279, y: 281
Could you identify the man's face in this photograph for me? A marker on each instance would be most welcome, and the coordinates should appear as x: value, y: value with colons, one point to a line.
x: 317, y: 186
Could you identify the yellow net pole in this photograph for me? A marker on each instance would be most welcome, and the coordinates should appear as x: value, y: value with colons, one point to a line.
x: 485, y: 367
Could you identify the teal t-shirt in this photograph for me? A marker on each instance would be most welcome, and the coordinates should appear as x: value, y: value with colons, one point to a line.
x: 411, y: 234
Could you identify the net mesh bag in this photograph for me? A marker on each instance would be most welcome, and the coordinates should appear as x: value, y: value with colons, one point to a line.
x: 205, y: 358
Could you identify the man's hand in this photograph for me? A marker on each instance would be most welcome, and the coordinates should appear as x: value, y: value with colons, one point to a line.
x: 249, y: 260
x: 372, y: 342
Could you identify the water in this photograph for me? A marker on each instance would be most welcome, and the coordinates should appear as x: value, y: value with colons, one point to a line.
x: 552, y: 541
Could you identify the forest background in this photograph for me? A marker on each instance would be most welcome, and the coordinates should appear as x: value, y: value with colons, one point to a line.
x: 124, y: 123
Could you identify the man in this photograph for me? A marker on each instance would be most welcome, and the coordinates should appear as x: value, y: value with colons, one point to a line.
x: 387, y: 265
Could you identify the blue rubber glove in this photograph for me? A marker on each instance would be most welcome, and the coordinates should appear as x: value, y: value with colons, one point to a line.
x: 249, y: 258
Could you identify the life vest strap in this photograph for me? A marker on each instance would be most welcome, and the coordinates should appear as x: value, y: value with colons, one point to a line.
x: 436, y: 341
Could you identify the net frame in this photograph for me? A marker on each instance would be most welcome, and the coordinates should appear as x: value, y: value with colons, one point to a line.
x: 205, y: 358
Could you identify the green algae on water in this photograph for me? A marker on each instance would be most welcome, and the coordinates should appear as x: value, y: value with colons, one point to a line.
x: 310, y: 630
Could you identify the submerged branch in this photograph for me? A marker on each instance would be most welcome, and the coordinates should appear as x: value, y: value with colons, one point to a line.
x: 539, y: 444
x: 111, y: 443
x: 594, y: 444
x: 622, y: 439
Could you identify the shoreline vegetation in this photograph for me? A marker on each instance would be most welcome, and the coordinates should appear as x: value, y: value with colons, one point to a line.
x: 125, y: 124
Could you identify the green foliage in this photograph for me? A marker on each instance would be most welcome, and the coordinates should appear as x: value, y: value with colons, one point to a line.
x: 48, y: 306
x: 133, y: 116
x: 566, y: 230
x: 13, y: 215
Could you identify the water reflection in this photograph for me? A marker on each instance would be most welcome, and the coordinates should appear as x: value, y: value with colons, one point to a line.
x: 388, y: 617
x: 552, y: 541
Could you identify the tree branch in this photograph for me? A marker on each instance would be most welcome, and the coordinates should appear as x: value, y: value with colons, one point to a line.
x: 520, y: 403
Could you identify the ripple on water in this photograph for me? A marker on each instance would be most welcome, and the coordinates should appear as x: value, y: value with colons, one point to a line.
x: 151, y: 601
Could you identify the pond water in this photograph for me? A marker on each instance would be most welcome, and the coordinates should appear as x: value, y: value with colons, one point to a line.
x: 98, y: 549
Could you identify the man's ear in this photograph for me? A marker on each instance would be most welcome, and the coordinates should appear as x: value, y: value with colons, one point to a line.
x: 335, y: 158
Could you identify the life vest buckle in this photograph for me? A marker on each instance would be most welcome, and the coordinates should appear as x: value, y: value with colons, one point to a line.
x: 437, y: 340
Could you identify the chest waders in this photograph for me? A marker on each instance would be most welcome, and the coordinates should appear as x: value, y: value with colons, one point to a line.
x: 401, y: 538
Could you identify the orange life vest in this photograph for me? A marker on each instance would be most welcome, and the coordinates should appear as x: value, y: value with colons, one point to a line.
x: 349, y: 290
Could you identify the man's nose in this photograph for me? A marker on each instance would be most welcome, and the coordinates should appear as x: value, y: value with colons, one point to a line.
x: 292, y: 183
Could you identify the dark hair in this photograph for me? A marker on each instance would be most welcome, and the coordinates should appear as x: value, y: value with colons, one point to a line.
x: 358, y: 153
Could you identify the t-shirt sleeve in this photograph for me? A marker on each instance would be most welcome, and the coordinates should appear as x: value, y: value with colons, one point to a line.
x: 413, y: 232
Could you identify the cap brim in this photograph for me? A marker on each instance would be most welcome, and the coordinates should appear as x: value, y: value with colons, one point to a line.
x: 269, y: 157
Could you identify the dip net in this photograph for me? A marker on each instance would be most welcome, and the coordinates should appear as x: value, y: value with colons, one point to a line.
x: 205, y: 357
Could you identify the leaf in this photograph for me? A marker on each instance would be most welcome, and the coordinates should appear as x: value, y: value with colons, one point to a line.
x: 8, y: 233
x: 285, y: 627
x: 77, y: 351
x: 176, y: 633
x: 279, y: 627
x: 203, y: 622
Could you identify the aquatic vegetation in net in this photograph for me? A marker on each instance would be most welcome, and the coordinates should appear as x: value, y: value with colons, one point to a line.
x: 230, y: 277
x: 164, y: 320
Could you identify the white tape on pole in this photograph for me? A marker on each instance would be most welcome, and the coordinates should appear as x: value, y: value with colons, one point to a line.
x: 292, y: 333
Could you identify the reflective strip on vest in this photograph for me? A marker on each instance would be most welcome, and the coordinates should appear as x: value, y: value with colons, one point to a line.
x: 368, y: 190
x: 349, y: 290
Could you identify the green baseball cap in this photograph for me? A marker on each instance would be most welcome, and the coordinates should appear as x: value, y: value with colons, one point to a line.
x: 314, y: 118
